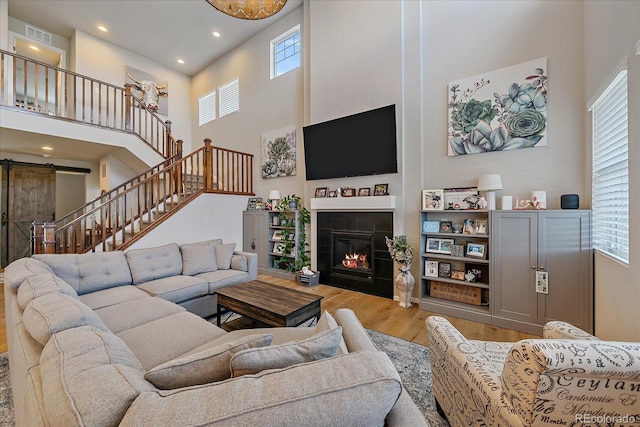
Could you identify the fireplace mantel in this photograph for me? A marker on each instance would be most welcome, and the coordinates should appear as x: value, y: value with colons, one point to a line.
x: 365, y: 203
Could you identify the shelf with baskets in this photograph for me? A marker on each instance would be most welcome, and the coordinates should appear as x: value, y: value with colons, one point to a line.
x: 455, y: 263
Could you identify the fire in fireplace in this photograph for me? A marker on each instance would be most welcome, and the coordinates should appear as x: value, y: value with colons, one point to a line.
x: 352, y: 253
x: 356, y: 260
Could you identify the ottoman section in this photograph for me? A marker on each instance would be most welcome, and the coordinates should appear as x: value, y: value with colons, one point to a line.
x: 130, y: 314
x: 169, y: 337
x: 176, y: 288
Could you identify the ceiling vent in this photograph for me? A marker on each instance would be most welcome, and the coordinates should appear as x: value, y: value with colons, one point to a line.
x: 38, y: 34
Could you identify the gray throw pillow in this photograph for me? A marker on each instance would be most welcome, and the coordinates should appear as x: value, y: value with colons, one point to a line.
x: 239, y: 262
x: 204, y: 367
x: 319, y: 346
x: 327, y: 322
x: 198, y: 258
x: 224, y: 253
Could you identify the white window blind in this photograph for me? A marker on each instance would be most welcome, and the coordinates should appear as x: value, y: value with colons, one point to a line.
x: 207, y: 108
x: 229, y: 98
x: 610, y: 184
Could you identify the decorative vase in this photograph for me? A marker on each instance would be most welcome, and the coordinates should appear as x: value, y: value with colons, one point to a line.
x: 404, y: 284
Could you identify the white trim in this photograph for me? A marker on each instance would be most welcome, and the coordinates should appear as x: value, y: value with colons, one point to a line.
x: 624, y: 65
x: 638, y: 48
x: 369, y: 203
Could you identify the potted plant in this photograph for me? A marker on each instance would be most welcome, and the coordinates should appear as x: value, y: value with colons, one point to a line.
x: 401, y: 252
x: 288, y: 204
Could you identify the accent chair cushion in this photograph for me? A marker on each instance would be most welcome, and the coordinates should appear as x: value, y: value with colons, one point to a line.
x: 198, y: 258
x: 154, y: 263
x: 319, y: 346
x: 203, y: 367
x: 224, y: 253
x: 56, y: 312
x: 42, y: 284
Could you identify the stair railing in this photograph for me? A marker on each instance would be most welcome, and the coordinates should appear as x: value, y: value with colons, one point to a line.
x: 119, y: 220
x: 40, y: 88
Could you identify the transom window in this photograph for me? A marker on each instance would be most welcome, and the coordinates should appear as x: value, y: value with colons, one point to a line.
x: 285, y: 52
x: 610, y: 183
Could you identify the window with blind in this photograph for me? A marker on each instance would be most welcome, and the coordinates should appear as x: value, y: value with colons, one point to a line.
x: 229, y: 97
x: 207, y: 108
x: 610, y: 183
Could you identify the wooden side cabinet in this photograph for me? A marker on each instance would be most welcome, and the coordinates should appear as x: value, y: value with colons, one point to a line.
x: 541, y: 269
x: 254, y: 236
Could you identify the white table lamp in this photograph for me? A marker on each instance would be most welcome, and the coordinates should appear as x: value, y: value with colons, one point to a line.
x: 490, y: 183
x: 274, y: 196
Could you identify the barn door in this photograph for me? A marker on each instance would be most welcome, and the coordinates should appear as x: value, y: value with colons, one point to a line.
x: 32, y: 197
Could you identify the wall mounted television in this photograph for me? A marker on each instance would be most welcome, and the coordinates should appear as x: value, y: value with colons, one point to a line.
x: 357, y: 145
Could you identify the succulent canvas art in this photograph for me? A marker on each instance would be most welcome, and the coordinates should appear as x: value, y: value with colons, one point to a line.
x: 279, y: 153
x: 500, y: 110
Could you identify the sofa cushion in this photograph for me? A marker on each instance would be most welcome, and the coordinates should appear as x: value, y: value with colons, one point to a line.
x: 198, y: 258
x: 113, y: 296
x: 154, y: 263
x: 327, y: 322
x: 204, y: 367
x: 129, y: 314
x: 42, y: 284
x: 357, y: 389
x: 89, y: 378
x: 90, y: 272
x: 20, y: 269
x: 239, y: 262
x: 224, y: 253
x: 55, y: 312
x: 170, y: 337
x: 221, y: 278
x: 176, y: 288
x: 320, y: 346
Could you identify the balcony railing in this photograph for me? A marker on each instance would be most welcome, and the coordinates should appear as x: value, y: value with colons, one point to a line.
x: 41, y: 88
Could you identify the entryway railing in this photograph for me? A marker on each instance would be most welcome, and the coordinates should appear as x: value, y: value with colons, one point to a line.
x: 41, y: 88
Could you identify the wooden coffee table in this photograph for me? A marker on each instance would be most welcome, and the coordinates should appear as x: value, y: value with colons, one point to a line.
x: 268, y: 303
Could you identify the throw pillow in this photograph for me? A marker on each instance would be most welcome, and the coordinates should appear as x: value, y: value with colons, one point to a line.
x: 327, y: 322
x: 319, y: 346
x: 224, y: 253
x: 198, y: 258
x: 204, y: 367
x: 239, y: 262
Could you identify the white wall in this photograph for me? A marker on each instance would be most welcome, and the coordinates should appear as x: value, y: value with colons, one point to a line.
x: 103, y: 61
x: 265, y: 105
x: 614, y: 35
x: 70, y: 191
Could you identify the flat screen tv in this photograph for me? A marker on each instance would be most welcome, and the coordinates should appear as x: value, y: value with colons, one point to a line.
x: 357, y: 145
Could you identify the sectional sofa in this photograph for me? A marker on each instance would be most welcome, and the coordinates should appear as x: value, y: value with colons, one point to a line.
x: 109, y: 339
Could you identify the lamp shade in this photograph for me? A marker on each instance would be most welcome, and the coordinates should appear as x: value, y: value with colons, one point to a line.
x: 489, y: 183
x: 274, y: 195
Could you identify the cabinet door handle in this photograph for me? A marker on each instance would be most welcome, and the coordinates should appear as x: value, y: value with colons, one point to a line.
x: 533, y: 267
x: 253, y: 244
x: 541, y: 267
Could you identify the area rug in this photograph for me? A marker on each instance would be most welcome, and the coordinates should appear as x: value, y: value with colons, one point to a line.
x: 410, y: 359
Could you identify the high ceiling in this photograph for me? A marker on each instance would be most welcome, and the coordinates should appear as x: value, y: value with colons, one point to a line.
x: 161, y: 30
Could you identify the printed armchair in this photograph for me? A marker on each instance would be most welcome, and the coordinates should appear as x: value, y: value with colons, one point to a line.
x: 567, y: 378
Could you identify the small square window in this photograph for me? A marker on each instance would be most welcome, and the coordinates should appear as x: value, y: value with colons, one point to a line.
x: 207, y: 108
x: 285, y: 52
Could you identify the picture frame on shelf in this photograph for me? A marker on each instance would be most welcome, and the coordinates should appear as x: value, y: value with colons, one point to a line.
x: 251, y: 203
x: 363, y: 192
x: 279, y: 248
x: 321, y: 192
x: 476, y: 250
x: 481, y: 226
x: 439, y: 246
x: 457, y: 275
x: 457, y: 250
x: 349, y: 192
x: 277, y: 235
x: 444, y: 269
x: 430, y: 226
x: 333, y: 193
x: 466, y: 198
x: 432, y: 200
x: 469, y: 226
x: 431, y: 268
x: 381, y: 190
x: 446, y: 227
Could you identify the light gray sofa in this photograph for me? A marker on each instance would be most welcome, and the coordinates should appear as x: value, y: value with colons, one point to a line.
x: 90, y: 344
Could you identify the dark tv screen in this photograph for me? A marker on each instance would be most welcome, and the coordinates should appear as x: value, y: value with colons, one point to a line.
x: 357, y: 145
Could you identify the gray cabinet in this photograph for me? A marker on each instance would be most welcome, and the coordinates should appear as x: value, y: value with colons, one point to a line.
x: 541, y: 269
x: 254, y: 235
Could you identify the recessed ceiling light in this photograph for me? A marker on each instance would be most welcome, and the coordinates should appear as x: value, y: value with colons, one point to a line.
x: 102, y: 28
x: 36, y: 48
x: 216, y: 34
x: 180, y: 61
x: 47, y: 148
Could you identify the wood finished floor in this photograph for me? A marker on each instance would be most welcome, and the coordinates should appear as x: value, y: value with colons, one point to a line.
x: 380, y: 314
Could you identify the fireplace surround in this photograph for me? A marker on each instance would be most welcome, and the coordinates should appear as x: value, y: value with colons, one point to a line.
x: 343, y: 239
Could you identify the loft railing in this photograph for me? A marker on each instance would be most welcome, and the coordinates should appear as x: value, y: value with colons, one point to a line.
x: 41, y: 88
x: 117, y: 220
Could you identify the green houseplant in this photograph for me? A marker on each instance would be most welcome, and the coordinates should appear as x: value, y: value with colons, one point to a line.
x: 288, y: 204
